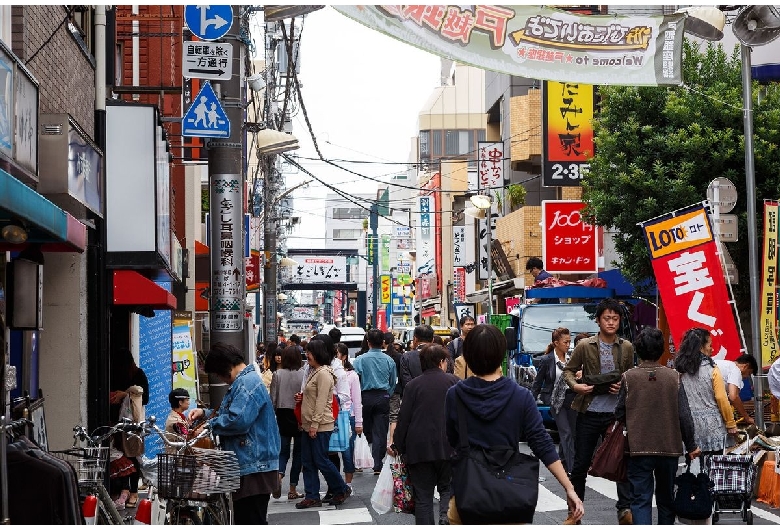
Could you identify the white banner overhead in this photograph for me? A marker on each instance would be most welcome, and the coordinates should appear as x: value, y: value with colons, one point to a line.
x: 539, y: 42
x: 319, y: 269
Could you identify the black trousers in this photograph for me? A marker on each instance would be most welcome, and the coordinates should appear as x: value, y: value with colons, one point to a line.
x: 376, y: 423
x: 425, y: 476
x: 251, y: 510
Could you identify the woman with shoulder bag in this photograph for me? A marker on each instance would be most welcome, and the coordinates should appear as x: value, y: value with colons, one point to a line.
x: 286, y: 382
x: 486, y: 417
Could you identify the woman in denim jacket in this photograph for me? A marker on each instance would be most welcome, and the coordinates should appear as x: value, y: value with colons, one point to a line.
x: 246, y: 425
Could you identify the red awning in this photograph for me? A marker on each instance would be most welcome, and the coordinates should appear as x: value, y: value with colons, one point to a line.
x: 132, y: 288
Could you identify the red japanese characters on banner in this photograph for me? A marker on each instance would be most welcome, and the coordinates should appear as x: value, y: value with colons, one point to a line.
x: 690, y: 279
x: 569, y: 246
x: 490, y: 165
x: 381, y: 319
x: 252, y: 267
x: 511, y: 303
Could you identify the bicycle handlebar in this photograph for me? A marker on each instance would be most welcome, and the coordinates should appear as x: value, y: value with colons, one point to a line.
x: 150, y: 426
x: 124, y: 425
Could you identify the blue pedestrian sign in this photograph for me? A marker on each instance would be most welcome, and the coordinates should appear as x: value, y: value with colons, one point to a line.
x: 209, y: 22
x: 206, y: 118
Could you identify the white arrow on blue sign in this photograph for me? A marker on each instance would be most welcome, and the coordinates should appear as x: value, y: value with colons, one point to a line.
x: 206, y: 118
x: 210, y: 22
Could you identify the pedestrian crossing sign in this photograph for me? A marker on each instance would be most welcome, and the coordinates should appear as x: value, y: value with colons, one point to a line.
x: 206, y: 118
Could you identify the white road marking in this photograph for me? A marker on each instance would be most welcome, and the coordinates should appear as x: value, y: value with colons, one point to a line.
x: 549, y: 501
x: 346, y: 516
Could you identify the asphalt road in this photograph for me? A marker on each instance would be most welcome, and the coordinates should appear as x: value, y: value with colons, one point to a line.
x: 551, y: 508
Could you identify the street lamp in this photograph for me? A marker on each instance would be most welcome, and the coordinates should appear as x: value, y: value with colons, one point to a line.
x: 754, y: 26
x: 483, y: 203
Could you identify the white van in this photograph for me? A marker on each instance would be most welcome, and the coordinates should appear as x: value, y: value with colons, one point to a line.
x: 351, y: 336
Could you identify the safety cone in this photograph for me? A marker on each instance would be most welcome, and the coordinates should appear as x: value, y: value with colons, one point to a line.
x: 89, y: 509
x: 143, y: 514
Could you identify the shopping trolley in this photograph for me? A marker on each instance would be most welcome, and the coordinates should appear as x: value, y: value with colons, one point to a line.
x: 733, y: 476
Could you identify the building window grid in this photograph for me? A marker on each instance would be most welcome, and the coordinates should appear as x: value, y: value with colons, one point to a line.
x: 346, y: 233
x: 349, y: 213
x: 452, y: 143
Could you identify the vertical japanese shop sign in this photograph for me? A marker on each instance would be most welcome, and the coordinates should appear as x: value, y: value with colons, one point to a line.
x: 384, y: 254
x: 459, y: 264
x: 384, y: 289
x: 769, y: 345
x: 569, y: 246
x: 183, y: 368
x: 567, y: 132
x: 426, y: 256
x: 490, y: 166
x: 690, y: 278
x: 227, y: 293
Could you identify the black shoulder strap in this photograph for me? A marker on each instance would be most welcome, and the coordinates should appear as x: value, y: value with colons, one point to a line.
x: 463, y: 431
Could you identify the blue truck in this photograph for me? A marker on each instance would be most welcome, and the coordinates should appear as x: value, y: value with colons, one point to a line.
x: 576, y: 311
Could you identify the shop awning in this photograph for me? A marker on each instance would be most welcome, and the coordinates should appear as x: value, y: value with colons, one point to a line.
x: 132, y: 288
x: 45, y: 223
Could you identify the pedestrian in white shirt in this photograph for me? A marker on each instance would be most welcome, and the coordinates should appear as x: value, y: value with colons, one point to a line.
x: 734, y: 372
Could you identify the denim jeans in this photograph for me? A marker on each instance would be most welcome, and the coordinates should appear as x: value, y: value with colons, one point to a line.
x: 641, y: 470
x: 376, y: 423
x: 314, y: 453
x: 425, y: 476
x: 591, y: 426
x: 348, y: 456
x: 284, y: 457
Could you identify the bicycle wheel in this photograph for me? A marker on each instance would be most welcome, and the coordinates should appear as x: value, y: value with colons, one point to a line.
x: 180, y: 513
x: 107, y: 512
x: 219, y: 511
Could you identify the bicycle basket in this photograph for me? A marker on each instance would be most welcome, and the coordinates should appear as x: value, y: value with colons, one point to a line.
x: 205, y: 472
x: 89, y: 463
x: 219, y: 472
x: 175, y: 475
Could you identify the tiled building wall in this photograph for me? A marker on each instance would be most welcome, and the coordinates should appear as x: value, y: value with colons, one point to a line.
x: 525, y: 124
x: 521, y: 237
x: 66, y: 74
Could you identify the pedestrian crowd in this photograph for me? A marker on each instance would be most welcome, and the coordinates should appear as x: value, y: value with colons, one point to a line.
x: 442, y: 405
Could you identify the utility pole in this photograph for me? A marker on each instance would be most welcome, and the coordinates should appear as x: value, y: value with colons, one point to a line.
x: 226, y: 209
x: 271, y: 269
x: 374, y: 225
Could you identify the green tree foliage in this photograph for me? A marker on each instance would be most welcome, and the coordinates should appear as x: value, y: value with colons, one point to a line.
x: 658, y: 148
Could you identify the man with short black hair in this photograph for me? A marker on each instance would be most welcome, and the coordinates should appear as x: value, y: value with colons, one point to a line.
x: 410, y: 361
x: 455, y: 347
x: 335, y: 334
x: 734, y: 372
x: 378, y: 377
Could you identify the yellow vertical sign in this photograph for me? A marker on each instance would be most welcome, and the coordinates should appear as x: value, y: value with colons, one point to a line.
x: 386, y: 290
x: 769, y: 285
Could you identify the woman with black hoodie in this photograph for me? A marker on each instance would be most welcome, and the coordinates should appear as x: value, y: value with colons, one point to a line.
x: 500, y: 412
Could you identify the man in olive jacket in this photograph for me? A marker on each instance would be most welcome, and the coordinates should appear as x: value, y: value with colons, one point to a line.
x: 603, y: 357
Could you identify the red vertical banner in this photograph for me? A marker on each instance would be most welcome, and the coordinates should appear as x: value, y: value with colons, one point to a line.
x: 690, y: 278
x: 381, y: 319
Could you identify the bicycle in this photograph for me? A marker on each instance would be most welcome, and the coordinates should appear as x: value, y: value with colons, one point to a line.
x: 195, y: 484
x: 90, y: 463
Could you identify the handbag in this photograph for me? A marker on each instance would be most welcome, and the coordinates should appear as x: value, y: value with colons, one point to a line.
x: 121, y: 467
x: 342, y: 432
x: 382, y: 496
x: 287, y: 422
x: 132, y: 408
x: 403, y: 499
x: 610, y: 460
x: 362, y: 457
x: 492, y: 485
x: 692, y: 496
x: 298, y: 412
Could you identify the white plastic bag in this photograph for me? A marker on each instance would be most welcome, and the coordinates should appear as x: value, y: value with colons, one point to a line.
x: 362, y: 455
x: 382, y: 497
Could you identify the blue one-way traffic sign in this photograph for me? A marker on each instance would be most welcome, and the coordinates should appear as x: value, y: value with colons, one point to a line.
x: 206, y: 118
x: 210, y: 22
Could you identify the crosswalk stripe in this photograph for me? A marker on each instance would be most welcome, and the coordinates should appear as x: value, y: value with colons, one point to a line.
x: 549, y: 501
x: 346, y: 516
x: 763, y: 514
x: 605, y: 487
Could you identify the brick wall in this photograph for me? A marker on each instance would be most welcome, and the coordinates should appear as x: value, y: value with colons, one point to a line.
x: 571, y: 193
x: 65, y: 75
x: 525, y: 120
x: 521, y: 237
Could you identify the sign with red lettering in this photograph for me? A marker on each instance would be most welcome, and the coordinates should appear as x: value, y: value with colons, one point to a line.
x: 252, y: 271
x: 490, y: 165
x: 569, y: 246
x: 690, y: 278
x: 385, y: 290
